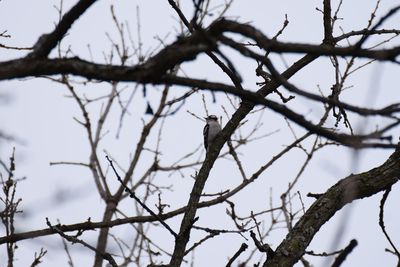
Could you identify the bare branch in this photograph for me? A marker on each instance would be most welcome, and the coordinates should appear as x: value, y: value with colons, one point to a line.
x: 345, y: 252
x: 72, y: 239
x: 132, y: 195
x: 242, y: 248
x: 353, y: 187
x: 47, y: 42
x: 382, y: 222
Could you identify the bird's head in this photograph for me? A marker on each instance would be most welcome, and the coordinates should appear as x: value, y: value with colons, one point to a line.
x: 211, y: 118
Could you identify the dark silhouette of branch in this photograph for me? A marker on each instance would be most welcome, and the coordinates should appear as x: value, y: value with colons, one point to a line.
x: 265, y: 248
x: 242, y: 248
x: 328, y: 37
x: 38, y: 257
x: 73, y: 240
x: 212, y: 154
x: 184, y: 49
x: 192, y: 27
x: 382, y: 222
x: 344, y: 253
x: 320, y: 50
x: 132, y: 195
x: 348, y: 140
x: 353, y: 187
x: 88, y: 225
x: 162, y: 69
x: 390, y: 13
x: 47, y: 42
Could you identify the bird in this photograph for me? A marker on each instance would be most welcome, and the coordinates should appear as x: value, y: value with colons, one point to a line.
x: 211, y: 129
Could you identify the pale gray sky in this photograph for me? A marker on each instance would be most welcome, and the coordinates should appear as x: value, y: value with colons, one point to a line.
x: 41, y: 115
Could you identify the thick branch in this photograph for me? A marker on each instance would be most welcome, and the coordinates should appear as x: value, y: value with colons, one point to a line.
x: 257, y: 98
x: 47, y: 42
x: 320, y: 50
x: 184, y: 49
x: 148, y: 72
x: 242, y: 248
x: 345, y: 252
x: 141, y: 219
x: 353, y: 187
x: 244, y: 109
x: 328, y: 37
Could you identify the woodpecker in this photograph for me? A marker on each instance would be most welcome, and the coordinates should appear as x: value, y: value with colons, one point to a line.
x: 211, y: 129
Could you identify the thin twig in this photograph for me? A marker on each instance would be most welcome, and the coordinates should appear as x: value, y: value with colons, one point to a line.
x: 382, y: 222
x: 132, y: 195
x: 242, y: 248
x: 73, y: 240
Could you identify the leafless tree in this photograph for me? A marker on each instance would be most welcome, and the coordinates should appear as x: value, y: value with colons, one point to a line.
x: 138, y: 179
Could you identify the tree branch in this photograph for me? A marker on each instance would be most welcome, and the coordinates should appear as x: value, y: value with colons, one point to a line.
x: 328, y: 37
x: 344, y: 253
x: 382, y: 222
x: 242, y: 248
x: 353, y: 187
x: 47, y: 42
x: 184, y: 49
x: 212, y: 154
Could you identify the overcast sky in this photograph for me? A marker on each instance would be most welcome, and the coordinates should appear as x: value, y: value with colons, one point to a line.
x: 39, y: 115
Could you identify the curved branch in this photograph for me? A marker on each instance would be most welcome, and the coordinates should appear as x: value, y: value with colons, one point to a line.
x: 141, y: 219
x: 320, y: 50
x: 257, y: 98
x: 353, y: 187
x: 184, y: 49
x: 201, y: 178
x: 148, y: 72
x: 47, y: 42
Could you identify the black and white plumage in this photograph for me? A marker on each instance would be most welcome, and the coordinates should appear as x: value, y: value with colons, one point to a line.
x: 211, y: 129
